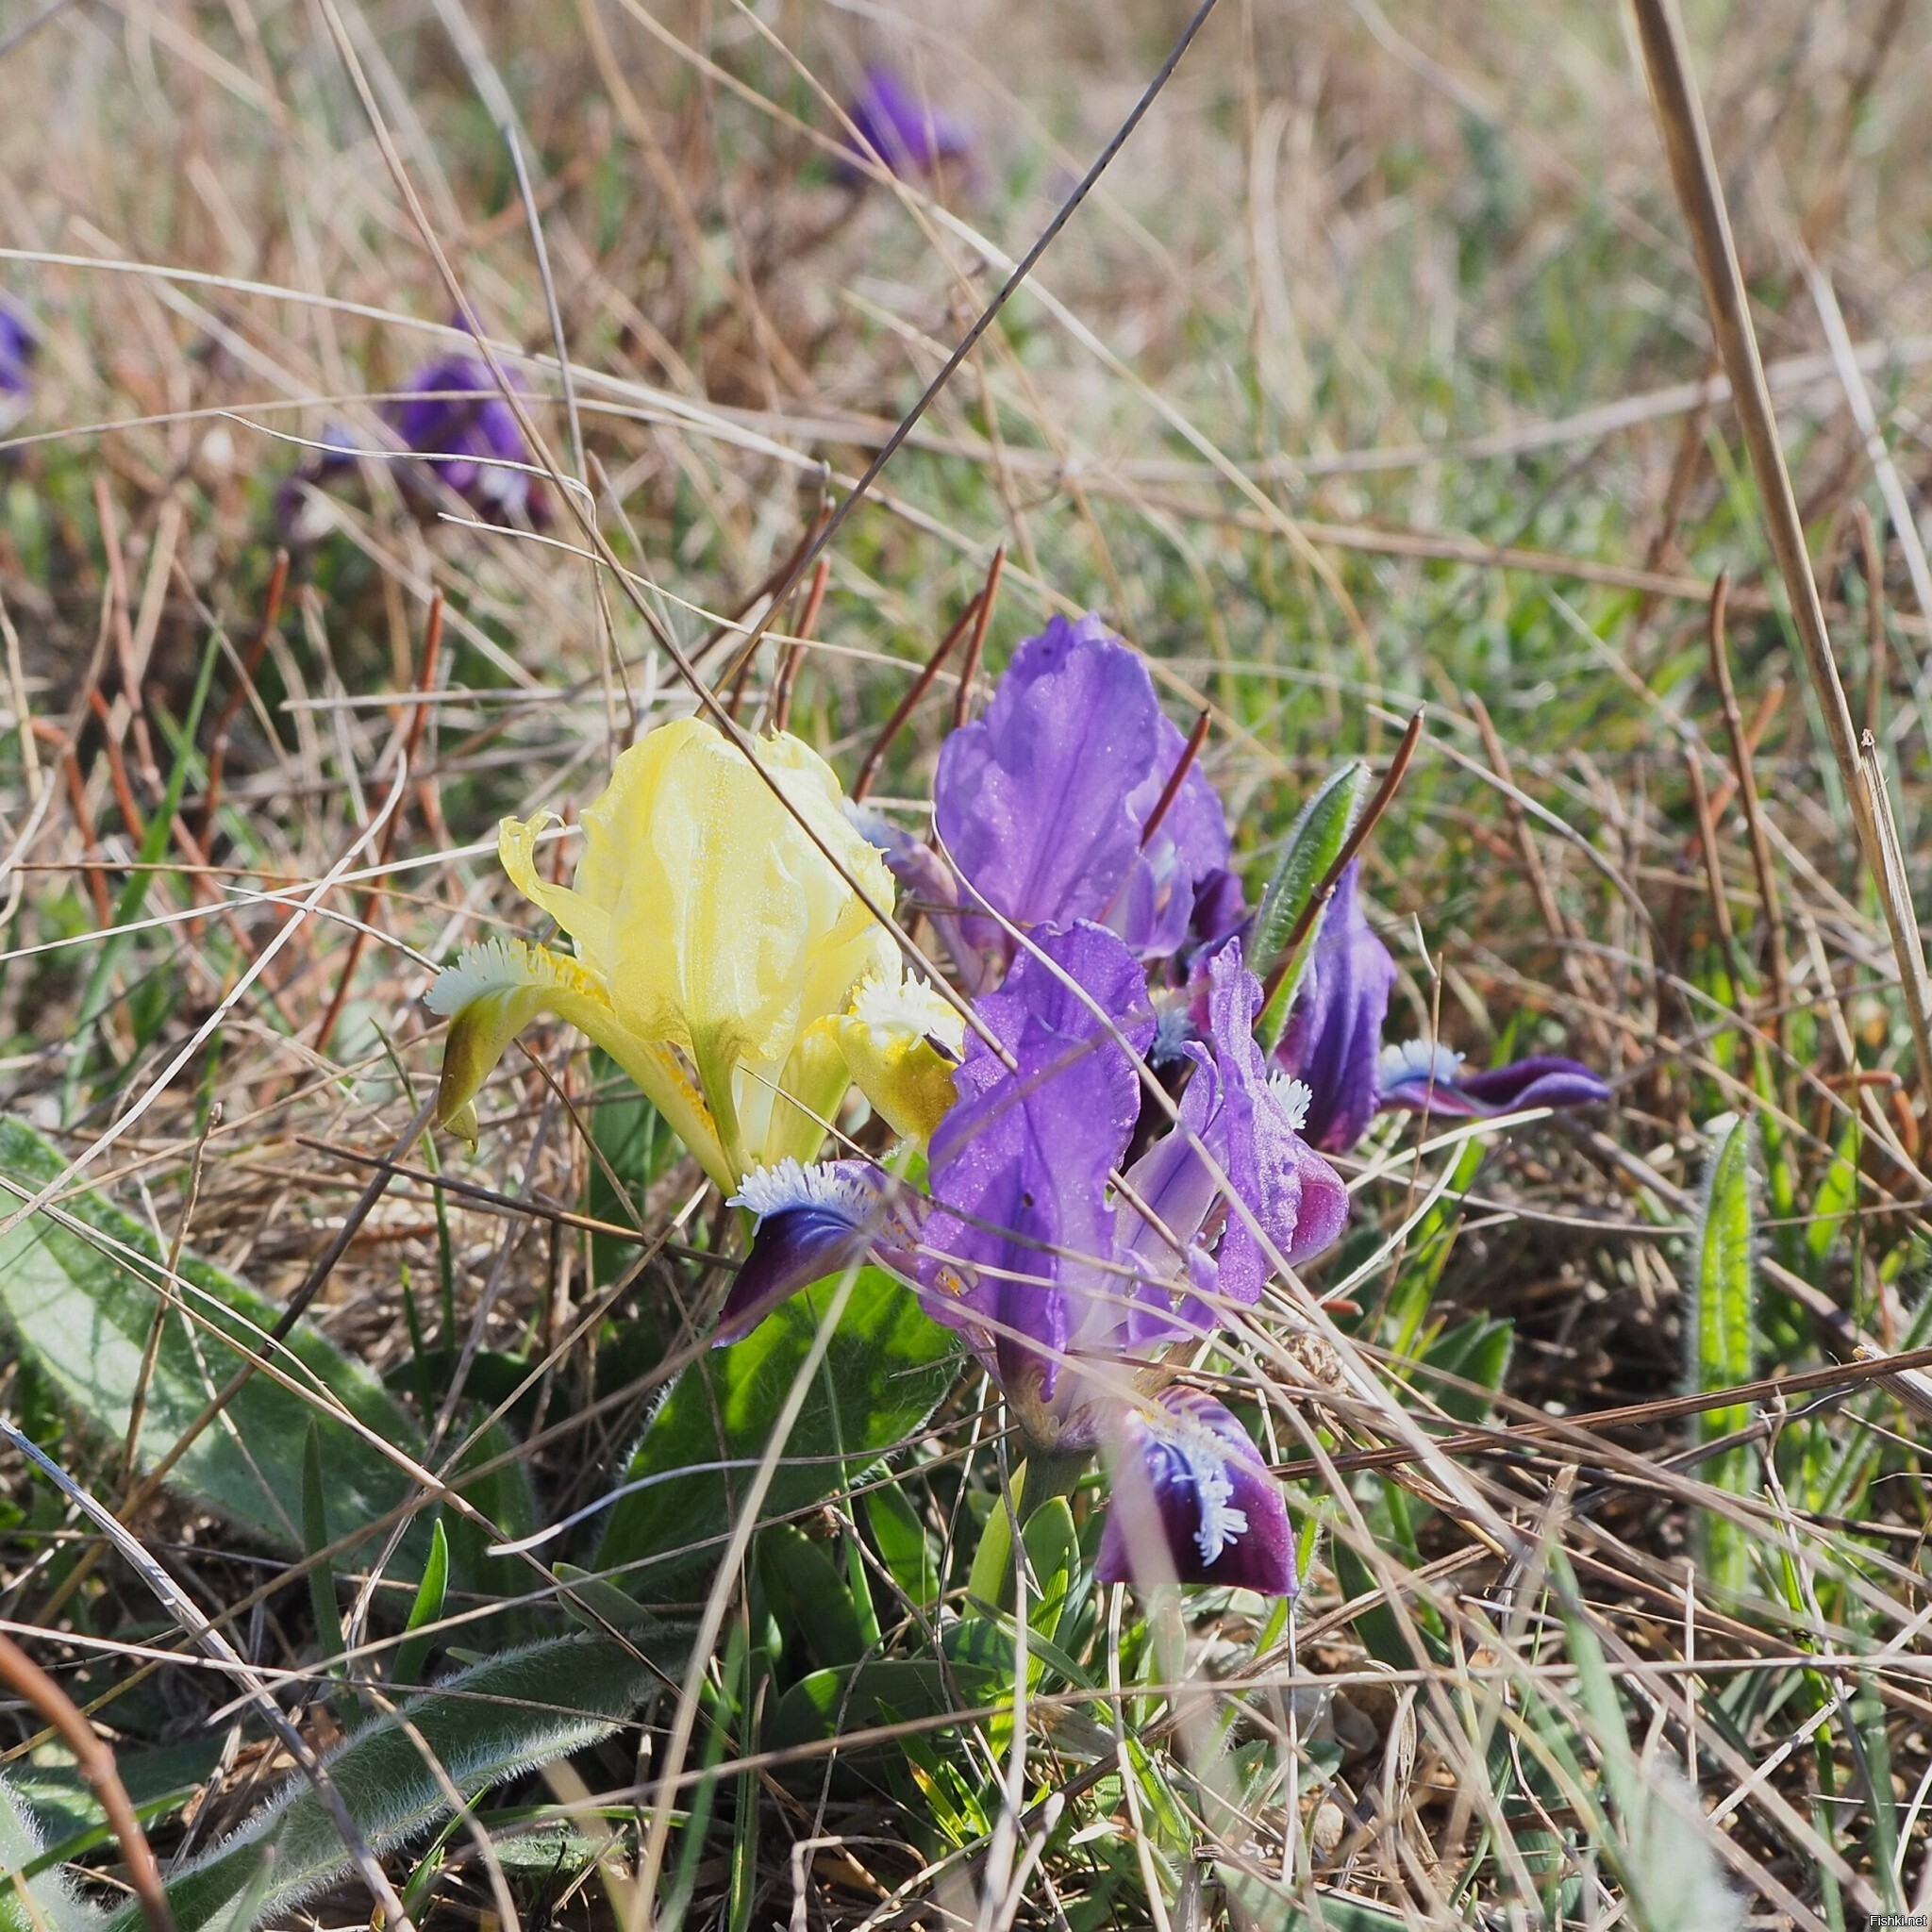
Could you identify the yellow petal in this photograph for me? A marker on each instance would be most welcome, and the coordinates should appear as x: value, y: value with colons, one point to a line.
x: 902, y: 1043
x: 787, y: 1117
x: 493, y: 992
x: 730, y: 931
x: 584, y: 918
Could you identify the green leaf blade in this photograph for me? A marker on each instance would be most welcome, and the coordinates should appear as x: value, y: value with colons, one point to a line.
x: 886, y: 1372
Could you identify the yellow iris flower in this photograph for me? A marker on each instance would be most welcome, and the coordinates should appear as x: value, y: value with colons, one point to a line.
x: 723, y: 959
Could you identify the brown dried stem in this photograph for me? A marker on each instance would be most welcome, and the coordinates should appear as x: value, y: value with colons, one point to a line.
x: 1694, y: 170
x: 95, y: 1762
x: 1777, y: 961
x: 920, y: 685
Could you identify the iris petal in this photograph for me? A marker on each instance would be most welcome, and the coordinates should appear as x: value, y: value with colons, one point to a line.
x: 1333, y: 1038
x: 1417, y: 1076
x: 1193, y: 1502
x: 812, y: 1222
x: 494, y: 990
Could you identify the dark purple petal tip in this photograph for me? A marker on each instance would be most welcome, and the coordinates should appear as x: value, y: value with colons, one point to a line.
x: 812, y: 1222
x: 1193, y: 1502
x: 1418, y: 1075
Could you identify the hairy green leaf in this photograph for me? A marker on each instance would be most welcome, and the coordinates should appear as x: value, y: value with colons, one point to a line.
x: 505, y: 1716
x: 78, y: 1289
x: 1719, y: 1328
x: 1313, y: 844
x: 47, y: 1903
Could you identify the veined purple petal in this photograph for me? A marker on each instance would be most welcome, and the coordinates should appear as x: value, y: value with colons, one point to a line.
x: 1333, y: 1038
x: 1239, y: 1121
x: 900, y: 128
x: 1417, y: 1076
x: 1193, y: 1501
x: 1016, y: 1254
x: 811, y: 1221
x: 1042, y: 804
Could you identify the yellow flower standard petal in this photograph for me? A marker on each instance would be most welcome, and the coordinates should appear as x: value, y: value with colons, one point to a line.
x: 718, y: 919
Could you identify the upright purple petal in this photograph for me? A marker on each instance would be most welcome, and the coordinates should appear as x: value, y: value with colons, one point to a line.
x: 1417, y: 1076
x: 1193, y: 1501
x: 811, y: 1221
x: 1017, y: 1251
x: 902, y: 129
x: 1042, y: 803
x: 1333, y: 1040
x: 1031, y: 800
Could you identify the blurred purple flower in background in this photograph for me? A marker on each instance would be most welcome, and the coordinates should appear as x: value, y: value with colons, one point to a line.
x: 453, y: 417
x: 456, y: 417
x: 19, y: 342
x: 903, y: 129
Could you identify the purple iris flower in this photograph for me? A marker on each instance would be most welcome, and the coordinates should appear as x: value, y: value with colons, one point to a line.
x: 455, y: 418
x: 901, y: 128
x: 19, y: 343
x: 1333, y: 1041
x: 1042, y: 811
x: 1062, y: 1272
x: 1193, y: 1493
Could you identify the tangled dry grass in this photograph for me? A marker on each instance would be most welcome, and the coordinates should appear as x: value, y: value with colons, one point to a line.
x: 1376, y: 373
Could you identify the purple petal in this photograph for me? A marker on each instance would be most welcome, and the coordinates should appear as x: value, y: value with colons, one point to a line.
x: 1334, y: 1035
x: 455, y: 414
x: 1237, y: 1120
x: 19, y: 343
x: 1017, y: 1249
x: 812, y: 1222
x: 1043, y: 802
x: 1221, y: 909
x: 1194, y: 824
x: 1293, y: 1193
x: 1032, y: 799
x: 1418, y: 1076
x: 931, y: 887
x: 1193, y: 1502
x: 901, y: 130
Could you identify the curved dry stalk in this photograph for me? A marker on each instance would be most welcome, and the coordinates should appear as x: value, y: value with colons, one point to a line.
x: 97, y: 1763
